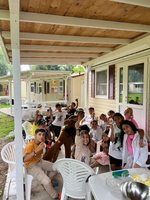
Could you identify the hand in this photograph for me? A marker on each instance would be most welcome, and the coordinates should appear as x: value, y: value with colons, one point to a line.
x: 77, y: 125
x: 136, y: 166
x: 141, y: 143
x: 103, y: 144
x: 91, y: 135
x: 40, y: 147
x: 37, y: 112
x: 76, y: 99
x: 65, y: 105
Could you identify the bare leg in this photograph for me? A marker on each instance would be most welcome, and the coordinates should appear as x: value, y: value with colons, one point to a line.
x: 95, y: 164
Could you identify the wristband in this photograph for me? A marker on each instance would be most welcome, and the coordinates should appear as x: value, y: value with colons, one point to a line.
x: 35, y: 155
x: 77, y: 129
x: 36, y: 115
x: 141, y: 138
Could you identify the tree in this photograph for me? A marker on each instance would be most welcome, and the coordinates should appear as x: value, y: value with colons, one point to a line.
x: 45, y: 67
x: 78, y: 68
x: 4, y: 66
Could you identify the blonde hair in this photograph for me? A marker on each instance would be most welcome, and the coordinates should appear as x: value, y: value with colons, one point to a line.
x: 131, y: 111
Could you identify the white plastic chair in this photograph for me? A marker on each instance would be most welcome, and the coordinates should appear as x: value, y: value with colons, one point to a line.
x: 75, y: 174
x: 28, y: 130
x: 98, y: 151
x: 8, y: 156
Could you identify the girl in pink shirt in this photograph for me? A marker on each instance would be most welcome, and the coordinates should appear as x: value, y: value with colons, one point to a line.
x: 128, y: 115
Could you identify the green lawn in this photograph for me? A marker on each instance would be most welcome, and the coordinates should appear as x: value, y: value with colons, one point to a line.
x: 6, y: 124
x: 133, y: 97
x: 4, y: 105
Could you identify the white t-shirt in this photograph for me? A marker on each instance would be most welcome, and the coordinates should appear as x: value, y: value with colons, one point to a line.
x: 97, y: 134
x: 103, y: 125
x: 88, y: 120
x: 60, y: 117
x: 115, y: 149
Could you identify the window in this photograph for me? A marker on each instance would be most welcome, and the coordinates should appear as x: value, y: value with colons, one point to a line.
x: 40, y: 88
x: 60, y: 87
x: 102, y: 83
x: 1, y: 88
x: 48, y: 91
x: 32, y: 87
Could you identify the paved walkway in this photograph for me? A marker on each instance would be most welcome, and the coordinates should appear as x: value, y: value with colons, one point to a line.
x: 6, y: 111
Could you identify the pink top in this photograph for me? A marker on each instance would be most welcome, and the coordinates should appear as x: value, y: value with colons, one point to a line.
x: 133, y: 121
x: 129, y: 144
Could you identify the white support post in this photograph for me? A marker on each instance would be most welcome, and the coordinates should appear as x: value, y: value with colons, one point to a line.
x: 10, y: 95
x: 14, y: 7
x: 66, y: 90
x: 29, y: 88
x: 86, y: 85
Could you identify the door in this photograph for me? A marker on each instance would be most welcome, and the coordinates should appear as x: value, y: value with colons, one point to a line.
x: 39, y: 92
x: 131, y: 89
x: 82, y: 93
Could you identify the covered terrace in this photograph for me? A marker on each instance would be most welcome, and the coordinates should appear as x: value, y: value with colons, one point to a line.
x: 67, y: 32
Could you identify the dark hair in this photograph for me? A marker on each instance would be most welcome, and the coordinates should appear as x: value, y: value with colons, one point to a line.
x: 91, y: 108
x: 39, y: 130
x: 57, y: 104
x: 106, y: 131
x: 118, y: 115
x: 94, y: 121
x: 40, y: 115
x: 47, y: 110
x: 102, y: 115
x: 74, y: 104
x: 134, y: 128
x: 111, y: 111
x: 84, y: 132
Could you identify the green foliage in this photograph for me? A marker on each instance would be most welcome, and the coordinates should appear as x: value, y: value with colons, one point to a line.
x: 53, y: 67
x: 11, y: 137
x: 4, y: 66
x: 6, y: 124
x: 4, y: 105
x: 77, y: 68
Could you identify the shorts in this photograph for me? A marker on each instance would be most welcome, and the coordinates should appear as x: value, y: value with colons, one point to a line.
x: 117, y: 162
x: 55, y: 129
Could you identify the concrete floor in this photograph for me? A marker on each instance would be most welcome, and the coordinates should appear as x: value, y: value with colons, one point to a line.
x: 38, y: 192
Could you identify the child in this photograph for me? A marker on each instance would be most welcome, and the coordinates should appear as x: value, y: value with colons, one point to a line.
x: 110, y: 118
x: 116, y: 137
x: 82, y: 152
x: 96, y: 132
x: 104, y: 124
x: 102, y: 157
x: 128, y: 115
x: 48, y: 118
x: 88, y: 118
x: 35, y: 126
x: 57, y: 124
x: 72, y: 109
x: 133, y: 155
x: 35, y: 165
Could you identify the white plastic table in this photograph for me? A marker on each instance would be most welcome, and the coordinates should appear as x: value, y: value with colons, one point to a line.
x: 100, y: 191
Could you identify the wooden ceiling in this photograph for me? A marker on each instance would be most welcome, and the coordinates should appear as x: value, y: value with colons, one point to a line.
x: 50, y: 49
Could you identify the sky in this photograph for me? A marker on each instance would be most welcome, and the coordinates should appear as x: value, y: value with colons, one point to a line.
x: 25, y: 67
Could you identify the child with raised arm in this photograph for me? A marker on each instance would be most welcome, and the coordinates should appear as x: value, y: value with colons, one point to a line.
x: 82, y: 152
x: 133, y: 155
x: 36, y: 166
x: 88, y: 118
x: 102, y: 157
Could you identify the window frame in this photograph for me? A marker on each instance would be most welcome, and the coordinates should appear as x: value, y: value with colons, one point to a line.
x: 31, y: 87
x: 61, y: 86
x: 47, y: 92
x: 99, y: 70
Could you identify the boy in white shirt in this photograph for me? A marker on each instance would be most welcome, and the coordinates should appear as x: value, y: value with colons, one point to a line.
x: 88, y: 118
x: 57, y: 124
x: 96, y: 132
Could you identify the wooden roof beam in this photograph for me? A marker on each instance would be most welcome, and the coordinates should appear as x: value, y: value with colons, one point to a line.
x: 76, y: 21
x: 71, y: 62
x: 144, y: 3
x: 59, y: 55
x: 67, y: 38
x: 52, y: 59
x: 60, y: 48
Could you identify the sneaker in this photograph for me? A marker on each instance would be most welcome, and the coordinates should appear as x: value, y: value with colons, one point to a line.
x: 59, y: 196
x: 54, y: 184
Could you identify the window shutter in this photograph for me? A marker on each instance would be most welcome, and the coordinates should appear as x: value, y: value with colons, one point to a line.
x: 93, y: 83
x: 63, y: 87
x: 34, y: 87
x: 44, y: 87
x: 111, y: 88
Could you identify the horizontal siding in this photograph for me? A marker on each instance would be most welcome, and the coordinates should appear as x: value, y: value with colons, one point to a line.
x: 102, y: 105
x: 76, y: 88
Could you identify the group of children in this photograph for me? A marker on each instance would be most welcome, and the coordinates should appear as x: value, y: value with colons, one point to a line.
x: 122, y: 143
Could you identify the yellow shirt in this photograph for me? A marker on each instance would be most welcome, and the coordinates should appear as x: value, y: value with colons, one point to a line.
x: 34, y: 128
x: 29, y: 148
